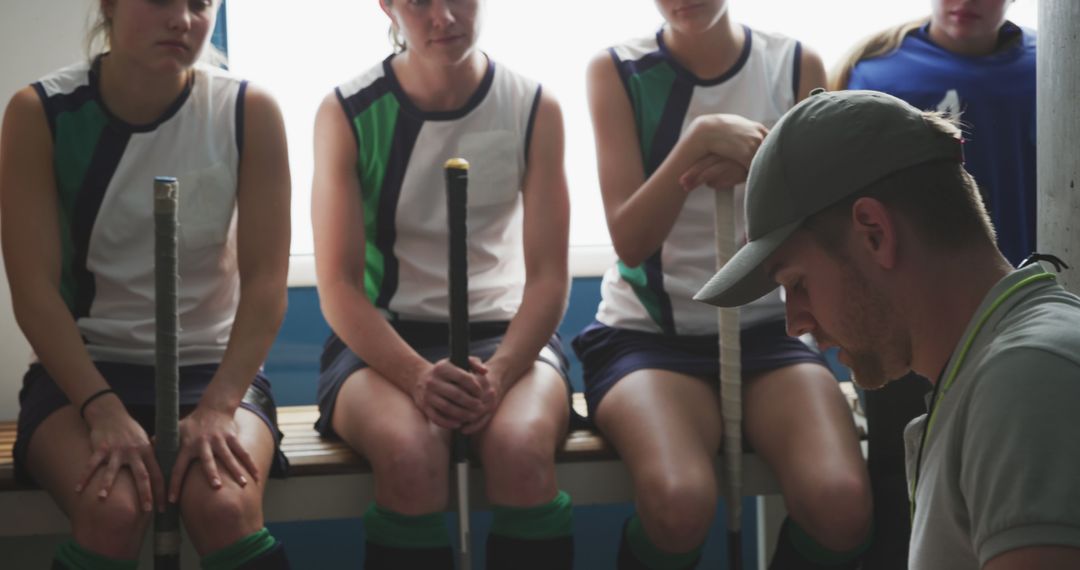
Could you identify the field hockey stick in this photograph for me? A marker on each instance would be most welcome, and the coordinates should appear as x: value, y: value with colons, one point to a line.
x: 457, y: 183
x: 730, y: 382
x: 166, y: 366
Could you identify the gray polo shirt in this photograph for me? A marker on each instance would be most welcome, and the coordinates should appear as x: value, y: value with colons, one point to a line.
x: 1001, y: 467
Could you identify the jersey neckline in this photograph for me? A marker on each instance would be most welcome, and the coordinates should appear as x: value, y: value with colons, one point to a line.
x: 1011, y: 44
x: 170, y: 111
x: 706, y: 82
x: 408, y: 106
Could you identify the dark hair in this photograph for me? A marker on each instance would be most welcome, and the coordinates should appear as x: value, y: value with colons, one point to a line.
x: 939, y: 198
x: 394, y: 34
x: 97, y: 37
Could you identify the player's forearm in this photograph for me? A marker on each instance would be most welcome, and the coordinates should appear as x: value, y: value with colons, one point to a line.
x: 258, y: 318
x: 49, y: 327
x: 367, y: 333
x: 642, y: 223
x: 542, y: 306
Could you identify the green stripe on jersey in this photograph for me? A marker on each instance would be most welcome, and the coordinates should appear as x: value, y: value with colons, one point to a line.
x: 375, y: 134
x: 649, y: 92
x: 77, y: 136
x: 639, y: 282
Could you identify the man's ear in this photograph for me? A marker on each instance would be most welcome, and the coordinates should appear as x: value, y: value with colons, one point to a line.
x: 874, y: 231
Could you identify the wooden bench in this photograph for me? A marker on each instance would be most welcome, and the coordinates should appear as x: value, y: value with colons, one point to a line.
x: 328, y: 480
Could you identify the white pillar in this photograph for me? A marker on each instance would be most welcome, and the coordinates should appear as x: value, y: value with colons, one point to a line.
x: 1058, y: 118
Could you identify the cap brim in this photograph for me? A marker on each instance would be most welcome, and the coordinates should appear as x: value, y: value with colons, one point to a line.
x: 743, y: 279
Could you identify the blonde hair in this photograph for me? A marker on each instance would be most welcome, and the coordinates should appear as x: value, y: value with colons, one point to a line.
x: 880, y: 44
x: 97, y: 40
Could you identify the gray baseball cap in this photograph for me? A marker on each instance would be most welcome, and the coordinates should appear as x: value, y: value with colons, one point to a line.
x: 826, y: 148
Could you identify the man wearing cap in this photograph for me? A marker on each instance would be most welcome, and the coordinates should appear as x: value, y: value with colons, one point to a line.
x: 859, y: 206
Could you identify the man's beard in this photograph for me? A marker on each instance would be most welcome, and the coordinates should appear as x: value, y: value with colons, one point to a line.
x: 883, y: 352
x: 868, y: 370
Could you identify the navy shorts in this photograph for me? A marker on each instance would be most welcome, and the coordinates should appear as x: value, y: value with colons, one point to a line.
x: 608, y: 354
x: 134, y: 384
x: 430, y: 340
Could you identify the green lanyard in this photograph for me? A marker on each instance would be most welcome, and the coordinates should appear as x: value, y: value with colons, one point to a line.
x: 955, y: 369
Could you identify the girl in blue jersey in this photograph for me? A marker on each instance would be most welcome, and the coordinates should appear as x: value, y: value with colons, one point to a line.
x: 968, y: 61
x: 379, y: 213
x: 79, y: 153
x: 677, y: 115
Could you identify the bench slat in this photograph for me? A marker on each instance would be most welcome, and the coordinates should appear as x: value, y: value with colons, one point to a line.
x: 311, y: 454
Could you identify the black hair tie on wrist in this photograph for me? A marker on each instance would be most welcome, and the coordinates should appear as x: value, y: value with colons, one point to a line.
x: 94, y: 396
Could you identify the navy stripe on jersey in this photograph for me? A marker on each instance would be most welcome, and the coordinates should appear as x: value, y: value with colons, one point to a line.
x: 532, y: 121
x: 744, y: 56
x: 406, y: 132
x: 240, y: 117
x: 666, y: 136
x: 107, y: 155
x: 637, y: 66
x: 631, y: 67
x: 796, y: 71
x: 407, y: 105
x: 44, y: 98
x: 654, y: 278
x: 61, y: 103
x: 120, y: 124
x: 671, y: 122
x: 358, y: 102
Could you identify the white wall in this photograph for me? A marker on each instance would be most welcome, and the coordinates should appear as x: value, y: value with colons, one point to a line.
x: 36, y: 36
x: 330, y: 41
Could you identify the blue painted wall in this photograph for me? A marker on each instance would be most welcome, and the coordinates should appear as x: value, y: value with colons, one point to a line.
x: 293, y: 366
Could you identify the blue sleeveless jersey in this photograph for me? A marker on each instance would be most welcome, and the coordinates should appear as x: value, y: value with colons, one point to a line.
x: 994, y: 96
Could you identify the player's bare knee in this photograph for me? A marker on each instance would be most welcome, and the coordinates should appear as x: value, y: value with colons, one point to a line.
x: 838, y: 516
x: 224, y: 509
x: 522, y: 458
x: 112, y: 527
x: 221, y: 518
x: 520, y: 464
x: 411, y: 481
x: 677, y: 511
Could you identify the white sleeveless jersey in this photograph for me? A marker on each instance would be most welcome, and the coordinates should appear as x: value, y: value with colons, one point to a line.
x: 400, y: 158
x: 105, y: 172
x: 657, y: 296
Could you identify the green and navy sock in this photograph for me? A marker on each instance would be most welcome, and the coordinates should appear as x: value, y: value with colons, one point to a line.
x: 637, y: 552
x: 528, y: 538
x: 797, y: 550
x: 259, y: 550
x: 396, y: 541
x: 71, y: 556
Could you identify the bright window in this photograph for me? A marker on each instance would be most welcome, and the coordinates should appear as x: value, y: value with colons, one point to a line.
x: 300, y: 51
